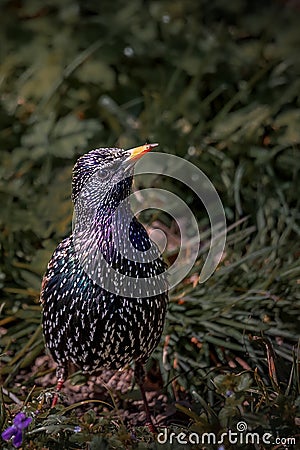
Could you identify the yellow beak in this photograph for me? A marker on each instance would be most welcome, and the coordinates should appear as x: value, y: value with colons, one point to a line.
x: 137, y: 152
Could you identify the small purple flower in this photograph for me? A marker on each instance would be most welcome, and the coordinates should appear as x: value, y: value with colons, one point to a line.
x: 20, y: 423
x: 229, y: 393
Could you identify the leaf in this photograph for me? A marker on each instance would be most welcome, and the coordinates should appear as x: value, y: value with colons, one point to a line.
x: 288, y: 123
x: 245, y: 121
x: 70, y: 134
x: 97, y: 72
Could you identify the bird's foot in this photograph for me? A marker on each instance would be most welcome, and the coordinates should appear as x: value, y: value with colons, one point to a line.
x: 140, y: 379
x: 151, y: 427
x: 54, y: 400
x: 59, y: 385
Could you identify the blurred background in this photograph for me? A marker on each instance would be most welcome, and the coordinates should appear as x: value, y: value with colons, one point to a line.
x: 214, y: 82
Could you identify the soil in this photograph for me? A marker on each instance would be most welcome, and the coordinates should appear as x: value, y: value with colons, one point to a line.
x: 111, y: 387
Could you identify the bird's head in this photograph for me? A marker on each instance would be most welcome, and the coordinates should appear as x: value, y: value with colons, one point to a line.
x: 104, y: 175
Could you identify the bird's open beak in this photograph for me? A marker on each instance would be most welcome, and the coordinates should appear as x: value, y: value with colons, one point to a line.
x: 138, y: 152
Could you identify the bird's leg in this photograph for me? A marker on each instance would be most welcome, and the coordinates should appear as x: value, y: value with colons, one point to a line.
x: 139, y: 374
x: 60, y: 375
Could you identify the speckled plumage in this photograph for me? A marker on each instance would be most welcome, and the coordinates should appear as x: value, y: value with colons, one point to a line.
x: 82, y: 322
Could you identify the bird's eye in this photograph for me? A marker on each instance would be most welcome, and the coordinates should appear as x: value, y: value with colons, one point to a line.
x: 103, y: 174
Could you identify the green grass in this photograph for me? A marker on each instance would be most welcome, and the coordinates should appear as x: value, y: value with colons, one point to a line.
x: 216, y: 83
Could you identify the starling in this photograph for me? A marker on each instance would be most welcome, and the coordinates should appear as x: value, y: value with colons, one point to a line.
x: 90, y: 317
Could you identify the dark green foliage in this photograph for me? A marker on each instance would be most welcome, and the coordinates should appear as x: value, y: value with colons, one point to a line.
x: 215, y: 82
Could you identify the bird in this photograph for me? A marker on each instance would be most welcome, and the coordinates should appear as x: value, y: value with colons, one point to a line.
x: 104, y: 294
